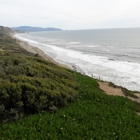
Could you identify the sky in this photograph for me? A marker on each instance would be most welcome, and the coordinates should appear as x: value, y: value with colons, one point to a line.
x: 70, y: 14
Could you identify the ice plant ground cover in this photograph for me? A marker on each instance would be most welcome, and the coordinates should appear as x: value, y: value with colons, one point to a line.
x: 93, y: 115
x: 39, y: 100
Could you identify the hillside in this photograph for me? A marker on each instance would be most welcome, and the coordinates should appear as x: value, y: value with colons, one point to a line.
x: 5, y: 30
x: 29, y: 84
x: 34, y: 29
x: 40, y: 100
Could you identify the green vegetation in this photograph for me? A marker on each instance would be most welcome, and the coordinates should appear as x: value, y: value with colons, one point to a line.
x: 30, y: 85
x: 129, y: 93
x: 93, y: 115
x: 125, y: 91
x: 10, y: 45
x: 112, y: 85
x: 60, y: 104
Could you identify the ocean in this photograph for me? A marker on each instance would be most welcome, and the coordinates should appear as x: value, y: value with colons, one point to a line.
x: 111, y: 55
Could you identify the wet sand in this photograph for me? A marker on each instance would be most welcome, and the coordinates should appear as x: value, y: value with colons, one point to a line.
x: 37, y: 51
x: 109, y: 90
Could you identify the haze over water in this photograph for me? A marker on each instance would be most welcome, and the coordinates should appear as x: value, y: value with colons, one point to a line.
x: 111, y: 54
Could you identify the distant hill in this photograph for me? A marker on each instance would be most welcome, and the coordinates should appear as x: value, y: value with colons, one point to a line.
x: 5, y: 30
x: 34, y: 29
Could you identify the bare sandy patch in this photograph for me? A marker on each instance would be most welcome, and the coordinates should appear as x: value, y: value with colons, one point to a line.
x: 135, y: 99
x: 138, y: 113
x: 110, y: 90
x: 117, y: 91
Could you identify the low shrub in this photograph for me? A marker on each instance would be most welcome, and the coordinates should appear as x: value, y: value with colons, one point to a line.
x: 30, y: 85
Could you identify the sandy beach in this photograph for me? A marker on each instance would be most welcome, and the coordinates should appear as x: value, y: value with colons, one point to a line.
x: 104, y: 86
x: 37, y: 51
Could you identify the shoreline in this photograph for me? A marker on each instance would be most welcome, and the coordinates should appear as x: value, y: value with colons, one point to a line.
x: 92, y: 64
x: 36, y: 51
x: 103, y: 85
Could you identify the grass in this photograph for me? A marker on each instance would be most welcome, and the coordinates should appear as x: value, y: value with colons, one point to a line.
x: 92, y: 115
x: 124, y: 90
x: 10, y: 45
x: 129, y: 93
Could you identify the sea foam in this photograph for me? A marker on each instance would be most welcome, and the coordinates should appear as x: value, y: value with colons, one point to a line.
x: 121, y: 73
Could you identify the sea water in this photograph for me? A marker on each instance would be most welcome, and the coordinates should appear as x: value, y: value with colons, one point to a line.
x: 109, y: 54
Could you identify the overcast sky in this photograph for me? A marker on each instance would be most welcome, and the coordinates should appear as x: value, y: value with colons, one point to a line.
x: 70, y: 14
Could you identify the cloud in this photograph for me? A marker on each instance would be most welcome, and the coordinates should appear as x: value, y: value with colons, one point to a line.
x: 70, y: 14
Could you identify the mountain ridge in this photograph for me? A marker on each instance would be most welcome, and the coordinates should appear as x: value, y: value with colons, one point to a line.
x: 34, y: 29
